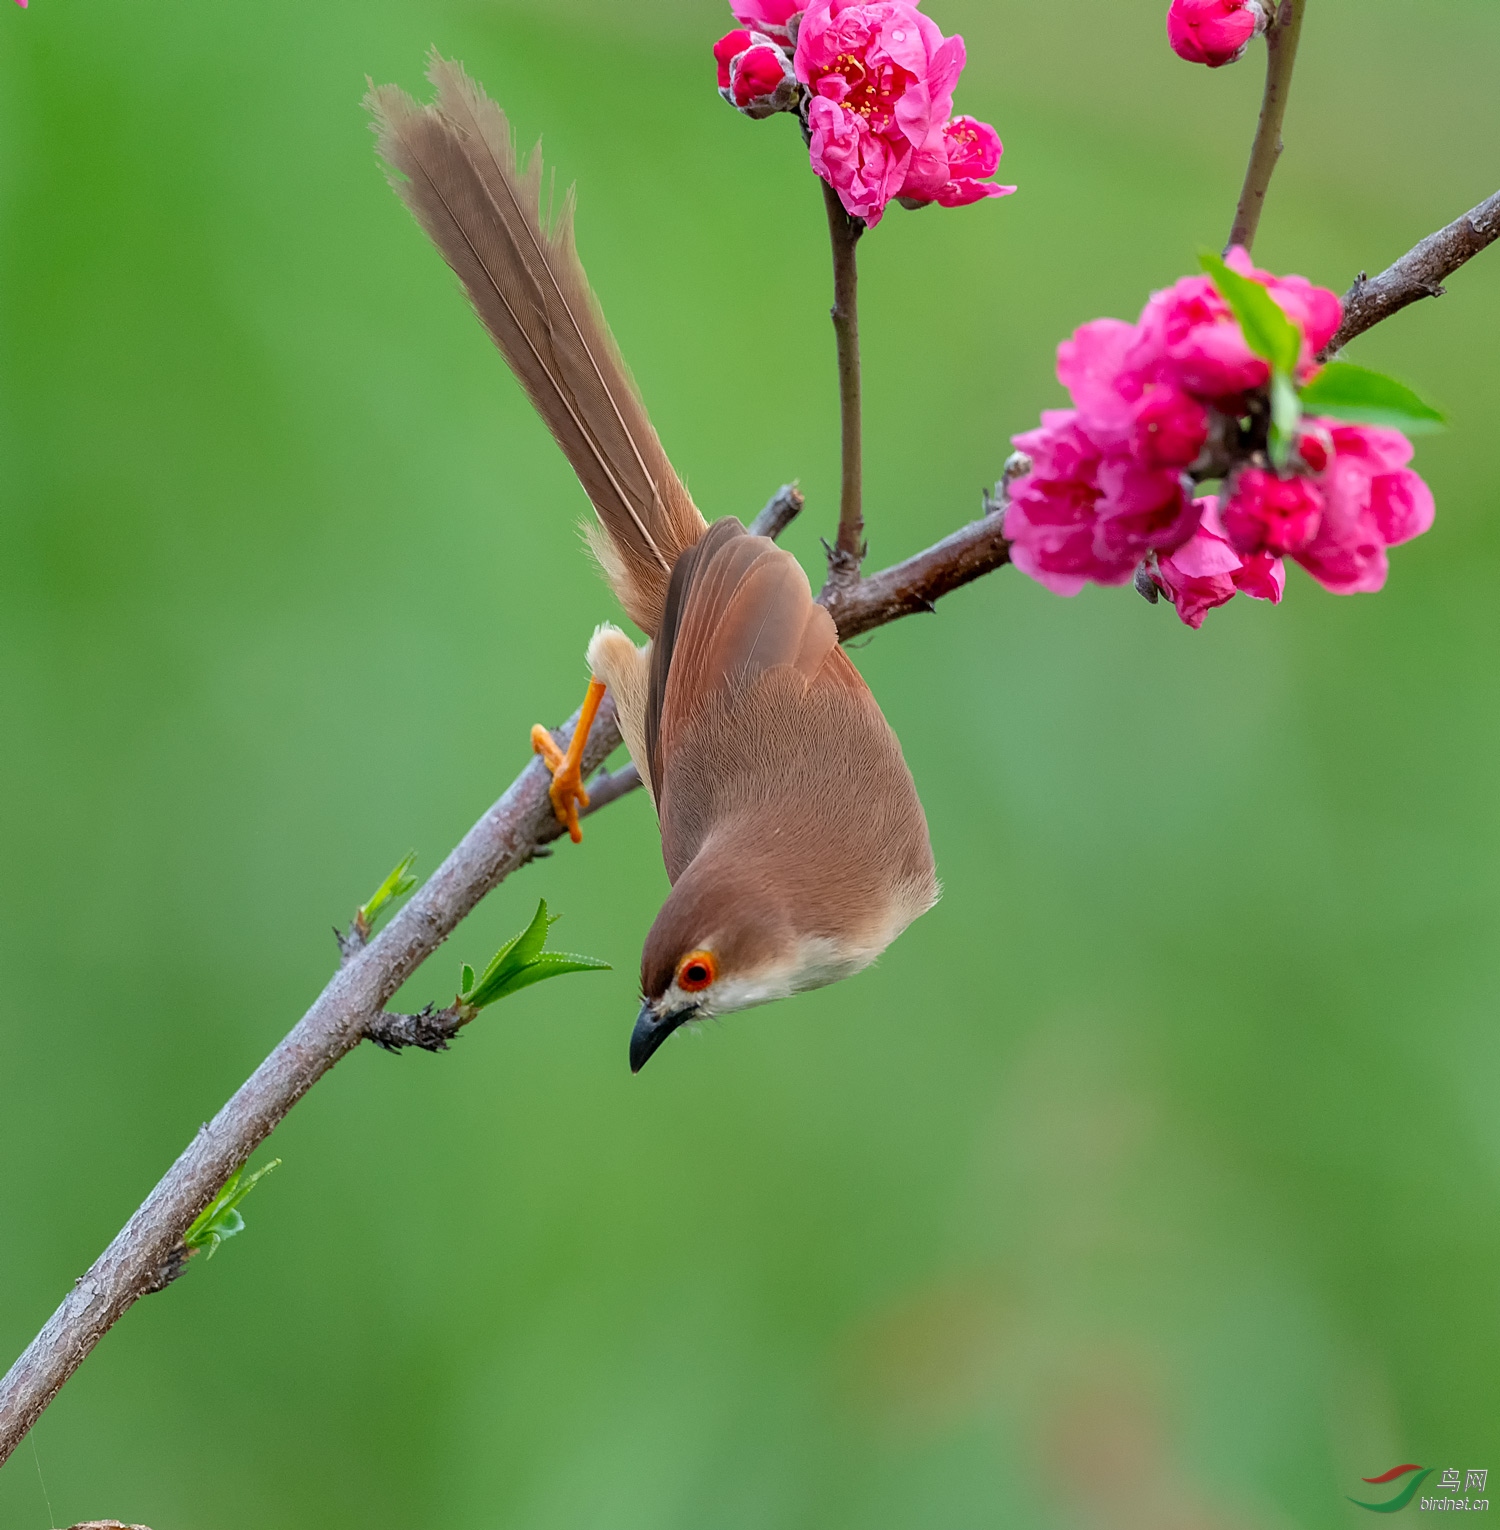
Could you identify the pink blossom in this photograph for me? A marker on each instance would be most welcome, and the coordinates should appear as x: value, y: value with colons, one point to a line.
x: 1108, y: 490
x: 1090, y: 365
x: 1347, y: 555
x: 1268, y: 513
x: 1083, y: 514
x: 1156, y: 423
x: 1191, y: 340
x: 771, y: 17
x: 1380, y: 448
x: 1213, y: 32
x: 1206, y: 571
x: 1372, y: 501
x: 860, y: 165
x: 882, y: 76
x: 1141, y: 510
x: 1402, y: 506
x: 957, y: 170
x: 1168, y: 428
x: 1053, y: 511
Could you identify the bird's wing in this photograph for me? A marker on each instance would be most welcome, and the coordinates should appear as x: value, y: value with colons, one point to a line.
x: 737, y: 607
x: 455, y: 166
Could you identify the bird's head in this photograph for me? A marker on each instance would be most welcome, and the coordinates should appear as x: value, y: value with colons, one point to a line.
x: 723, y: 941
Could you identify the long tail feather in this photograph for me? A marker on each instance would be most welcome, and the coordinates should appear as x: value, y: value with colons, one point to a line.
x: 455, y: 166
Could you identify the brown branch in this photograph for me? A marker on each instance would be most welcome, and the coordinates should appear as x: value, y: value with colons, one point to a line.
x: 843, y: 233
x: 352, y: 1007
x: 503, y: 840
x: 1419, y: 273
x: 1282, y: 36
x: 914, y: 585
x: 783, y: 507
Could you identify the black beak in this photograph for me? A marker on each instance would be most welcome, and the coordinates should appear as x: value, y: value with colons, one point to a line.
x: 652, y: 1029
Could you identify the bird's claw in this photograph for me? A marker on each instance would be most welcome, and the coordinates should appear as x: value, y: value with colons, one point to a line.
x: 567, y: 790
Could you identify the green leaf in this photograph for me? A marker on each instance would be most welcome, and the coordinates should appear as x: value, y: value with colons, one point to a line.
x: 549, y: 964
x: 523, y: 961
x: 396, y: 885
x: 529, y: 944
x: 220, y: 1219
x: 1267, y: 330
x: 1286, y: 415
x: 466, y: 978
x: 1348, y: 392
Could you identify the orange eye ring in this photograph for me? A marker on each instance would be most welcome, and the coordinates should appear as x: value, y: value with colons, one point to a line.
x: 696, y: 971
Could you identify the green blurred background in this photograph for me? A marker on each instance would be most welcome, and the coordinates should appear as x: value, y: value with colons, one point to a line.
x: 1152, y: 1180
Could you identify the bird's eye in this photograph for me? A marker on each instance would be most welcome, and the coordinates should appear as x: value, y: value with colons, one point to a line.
x: 696, y: 971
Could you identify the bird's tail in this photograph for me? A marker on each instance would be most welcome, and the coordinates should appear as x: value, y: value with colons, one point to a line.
x: 455, y: 166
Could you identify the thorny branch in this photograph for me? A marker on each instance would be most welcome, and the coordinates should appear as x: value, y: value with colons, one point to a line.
x: 1282, y: 35
x: 148, y: 1250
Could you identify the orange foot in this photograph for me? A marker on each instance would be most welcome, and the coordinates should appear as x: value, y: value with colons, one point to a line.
x: 567, y: 791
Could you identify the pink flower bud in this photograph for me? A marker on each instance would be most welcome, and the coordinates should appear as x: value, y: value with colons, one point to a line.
x: 1267, y: 513
x: 757, y: 72
x: 730, y: 44
x: 1314, y: 447
x: 1213, y: 32
x: 755, y: 75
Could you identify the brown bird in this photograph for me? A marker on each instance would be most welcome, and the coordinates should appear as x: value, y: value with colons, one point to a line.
x: 793, y: 837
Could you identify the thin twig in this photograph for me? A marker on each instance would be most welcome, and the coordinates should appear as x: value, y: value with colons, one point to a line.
x: 430, y: 1029
x: 843, y: 234
x: 1282, y: 35
x: 783, y: 507
x: 1419, y: 273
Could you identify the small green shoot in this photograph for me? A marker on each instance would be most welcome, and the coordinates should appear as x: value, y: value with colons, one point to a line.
x: 521, y: 962
x: 221, y: 1219
x: 1286, y: 416
x: 396, y: 885
x: 1349, y: 392
x: 1274, y: 338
